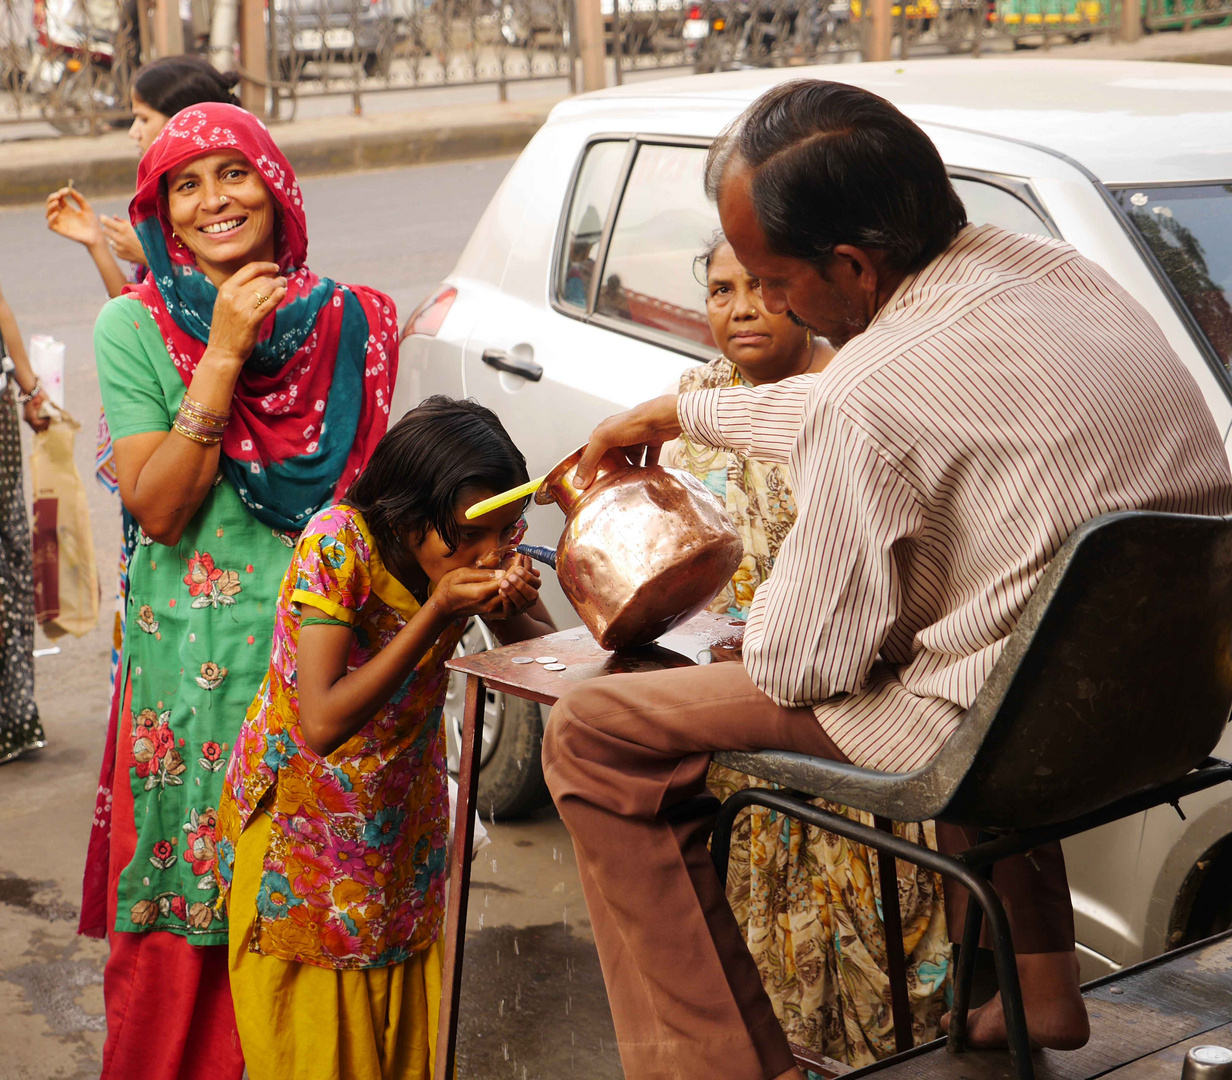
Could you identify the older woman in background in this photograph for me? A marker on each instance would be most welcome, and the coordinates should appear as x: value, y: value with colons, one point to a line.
x: 243, y: 393
x: 805, y: 899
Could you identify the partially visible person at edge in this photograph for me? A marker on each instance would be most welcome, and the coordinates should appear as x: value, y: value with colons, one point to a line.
x: 245, y: 393
x: 804, y: 898
x: 20, y: 730
x: 975, y: 414
x: 160, y: 90
x: 333, y: 822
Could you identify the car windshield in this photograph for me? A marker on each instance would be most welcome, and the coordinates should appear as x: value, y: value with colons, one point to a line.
x: 1188, y: 227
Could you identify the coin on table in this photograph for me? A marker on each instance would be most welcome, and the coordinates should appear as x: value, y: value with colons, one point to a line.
x: 545, y: 659
x: 553, y: 667
x: 522, y: 660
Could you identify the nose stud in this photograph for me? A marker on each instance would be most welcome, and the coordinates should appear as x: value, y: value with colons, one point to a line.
x: 222, y: 201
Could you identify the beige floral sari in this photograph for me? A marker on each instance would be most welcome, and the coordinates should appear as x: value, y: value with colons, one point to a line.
x: 809, y: 901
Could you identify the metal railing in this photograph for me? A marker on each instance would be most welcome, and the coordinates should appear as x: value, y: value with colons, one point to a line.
x: 321, y: 47
x: 69, y: 62
x: 1186, y: 14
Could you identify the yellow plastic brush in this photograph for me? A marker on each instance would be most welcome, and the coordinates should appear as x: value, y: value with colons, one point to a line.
x: 504, y: 498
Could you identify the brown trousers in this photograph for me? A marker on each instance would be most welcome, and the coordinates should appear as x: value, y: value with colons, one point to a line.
x: 619, y: 753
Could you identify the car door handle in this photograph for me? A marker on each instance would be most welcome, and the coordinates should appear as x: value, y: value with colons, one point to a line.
x: 515, y: 365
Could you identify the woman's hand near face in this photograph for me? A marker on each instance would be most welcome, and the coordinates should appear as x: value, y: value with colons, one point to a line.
x: 71, y: 215
x: 122, y: 238
x: 240, y: 310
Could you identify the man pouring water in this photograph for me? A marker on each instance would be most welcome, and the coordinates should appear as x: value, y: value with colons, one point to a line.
x: 991, y: 392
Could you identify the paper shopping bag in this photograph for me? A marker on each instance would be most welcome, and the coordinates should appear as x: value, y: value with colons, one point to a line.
x: 65, y: 573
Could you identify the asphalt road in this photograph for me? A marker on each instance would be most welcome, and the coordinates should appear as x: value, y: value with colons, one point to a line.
x: 533, y: 1001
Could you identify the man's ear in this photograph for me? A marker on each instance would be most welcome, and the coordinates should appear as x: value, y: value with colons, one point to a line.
x: 857, y: 267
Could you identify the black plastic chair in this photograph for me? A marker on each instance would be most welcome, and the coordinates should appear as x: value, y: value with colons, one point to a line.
x: 1111, y: 693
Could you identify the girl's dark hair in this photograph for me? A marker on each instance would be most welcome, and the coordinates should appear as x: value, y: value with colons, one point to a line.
x: 425, y: 463
x: 172, y: 83
x: 833, y: 164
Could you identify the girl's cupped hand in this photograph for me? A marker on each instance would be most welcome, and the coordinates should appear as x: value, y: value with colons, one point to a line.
x: 494, y: 594
x: 520, y: 585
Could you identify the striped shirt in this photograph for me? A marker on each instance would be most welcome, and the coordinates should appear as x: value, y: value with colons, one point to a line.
x: 1003, y: 395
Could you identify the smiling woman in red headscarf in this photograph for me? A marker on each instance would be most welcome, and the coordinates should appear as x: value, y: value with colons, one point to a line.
x: 243, y: 392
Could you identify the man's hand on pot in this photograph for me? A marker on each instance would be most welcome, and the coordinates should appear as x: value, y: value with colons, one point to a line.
x: 645, y: 427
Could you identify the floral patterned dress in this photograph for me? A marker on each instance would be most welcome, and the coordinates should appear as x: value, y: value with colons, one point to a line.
x: 809, y: 900
x: 353, y: 874
x: 200, y: 617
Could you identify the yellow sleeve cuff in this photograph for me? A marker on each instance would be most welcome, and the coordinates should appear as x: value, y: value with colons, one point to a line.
x: 303, y: 596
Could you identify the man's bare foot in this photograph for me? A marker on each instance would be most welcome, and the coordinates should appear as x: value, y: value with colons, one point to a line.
x: 1056, y: 1013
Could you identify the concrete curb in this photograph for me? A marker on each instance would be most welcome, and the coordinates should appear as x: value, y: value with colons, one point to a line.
x: 107, y: 165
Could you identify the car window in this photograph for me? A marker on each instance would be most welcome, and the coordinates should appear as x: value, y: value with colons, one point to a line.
x: 592, y: 195
x: 990, y: 204
x: 664, y: 222
x: 1188, y: 228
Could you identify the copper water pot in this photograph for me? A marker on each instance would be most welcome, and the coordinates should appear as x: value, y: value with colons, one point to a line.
x: 644, y: 549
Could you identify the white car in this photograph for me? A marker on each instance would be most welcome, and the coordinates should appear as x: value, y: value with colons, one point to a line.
x: 575, y: 298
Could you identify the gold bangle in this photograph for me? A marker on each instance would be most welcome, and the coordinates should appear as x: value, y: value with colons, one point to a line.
x: 203, y: 412
x: 203, y: 439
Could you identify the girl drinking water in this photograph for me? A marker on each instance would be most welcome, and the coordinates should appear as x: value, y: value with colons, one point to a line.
x: 333, y: 823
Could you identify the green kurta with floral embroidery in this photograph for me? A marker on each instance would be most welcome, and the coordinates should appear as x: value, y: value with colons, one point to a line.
x: 200, y: 621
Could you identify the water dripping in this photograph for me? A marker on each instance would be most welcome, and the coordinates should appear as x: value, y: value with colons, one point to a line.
x: 505, y: 1047
x: 501, y: 1009
x: 516, y: 951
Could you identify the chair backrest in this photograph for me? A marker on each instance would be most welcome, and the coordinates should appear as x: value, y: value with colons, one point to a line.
x: 1117, y: 678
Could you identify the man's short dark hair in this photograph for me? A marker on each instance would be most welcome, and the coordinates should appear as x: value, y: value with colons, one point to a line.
x: 833, y: 164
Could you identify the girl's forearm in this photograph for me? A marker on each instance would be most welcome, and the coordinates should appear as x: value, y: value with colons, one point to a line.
x: 331, y: 712
x: 108, y: 269
x: 530, y: 624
